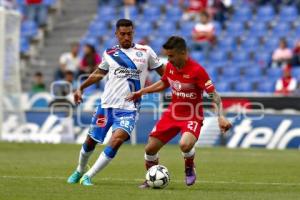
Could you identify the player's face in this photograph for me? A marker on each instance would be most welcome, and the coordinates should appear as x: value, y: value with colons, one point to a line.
x: 175, y: 57
x: 125, y: 36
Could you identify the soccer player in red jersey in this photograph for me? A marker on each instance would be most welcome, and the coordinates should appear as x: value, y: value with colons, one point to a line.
x: 188, y: 80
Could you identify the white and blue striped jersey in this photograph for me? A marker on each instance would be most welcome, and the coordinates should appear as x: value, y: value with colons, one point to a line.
x: 127, y: 72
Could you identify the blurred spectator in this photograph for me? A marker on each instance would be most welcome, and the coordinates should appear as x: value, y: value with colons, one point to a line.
x: 37, y: 11
x: 282, y: 55
x: 70, y: 78
x: 204, y: 34
x: 192, y: 8
x: 38, y: 85
x: 220, y: 10
x: 296, y: 54
x: 90, y: 60
x: 69, y: 61
x: 8, y: 4
x: 286, y: 84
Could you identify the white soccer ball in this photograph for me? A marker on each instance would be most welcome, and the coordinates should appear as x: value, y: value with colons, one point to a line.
x: 158, y: 176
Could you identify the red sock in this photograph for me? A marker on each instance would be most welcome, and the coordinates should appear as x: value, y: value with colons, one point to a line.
x: 149, y: 164
x: 189, y: 162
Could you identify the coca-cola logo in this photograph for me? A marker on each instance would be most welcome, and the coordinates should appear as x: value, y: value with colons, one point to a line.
x: 101, y: 121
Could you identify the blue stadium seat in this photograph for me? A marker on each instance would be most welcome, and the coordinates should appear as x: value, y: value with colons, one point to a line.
x: 226, y: 44
x: 250, y: 44
x: 167, y: 28
x: 29, y: 29
x: 240, y: 56
x: 265, y: 13
x: 288, y: 13
x: 152, y: 13
x: 262, y: 58
x: 107, y: 14
x: 218, y: 28
x: 217, y: 56
x: 223, y: 86
x: 296, y: 73
x: 258, y: 29
x: 271, y: 43
x: 198, y: 55
x: 242, y: 14
x: 274, y: 73
x: 143, y: 29
x: 230, y: 71
x: 281, y: 30
x: 175, y: 12
x: 97, y: 29
x: 187, y: 27
x: 49, y: 3
x: 24, y: 45
x: 235, y: 29
x: 266, y: 86
x: 243, y: 86
x: 253, y: 71
x: 212, y: 72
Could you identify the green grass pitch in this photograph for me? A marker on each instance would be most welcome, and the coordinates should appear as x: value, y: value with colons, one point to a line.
x: 39, y: 172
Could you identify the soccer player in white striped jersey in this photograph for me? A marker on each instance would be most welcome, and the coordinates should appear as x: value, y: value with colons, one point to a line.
x: 127, y: 66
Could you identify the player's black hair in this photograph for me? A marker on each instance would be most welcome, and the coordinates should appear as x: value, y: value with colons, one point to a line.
x: 175, y: 42
x: 124, y: 22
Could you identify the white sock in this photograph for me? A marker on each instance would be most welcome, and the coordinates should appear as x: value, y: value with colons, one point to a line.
x: 189, y: 154
x: 101, y: 162
x: 151, y: 157
x: 83, y: 160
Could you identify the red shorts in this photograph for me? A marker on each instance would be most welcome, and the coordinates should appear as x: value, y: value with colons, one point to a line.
x: 167, y: 127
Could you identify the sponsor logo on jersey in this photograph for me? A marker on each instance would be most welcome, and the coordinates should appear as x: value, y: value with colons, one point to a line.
x: 186, y: 76
x: 139, y: 54
x: 189, y: 95
x: 139, y: 60
x: 177, y: 85
x: 123, y: 72
x: 101, y: 121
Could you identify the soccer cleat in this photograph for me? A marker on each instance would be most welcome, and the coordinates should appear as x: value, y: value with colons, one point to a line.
x: 144, y: 185
x: 74, y: 178
x: 86, y: 181
x: 190, y: 176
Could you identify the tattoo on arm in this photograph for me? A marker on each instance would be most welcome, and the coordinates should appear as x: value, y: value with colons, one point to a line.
x: 217, y: 103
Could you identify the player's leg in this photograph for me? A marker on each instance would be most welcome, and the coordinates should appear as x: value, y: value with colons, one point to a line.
x: 190, y: 134
x: 119, y: 136
x: 86, y: 151
x: 100, y: 124
x: 122, y: 127
x: 187, y: 143
x: 161, y: 134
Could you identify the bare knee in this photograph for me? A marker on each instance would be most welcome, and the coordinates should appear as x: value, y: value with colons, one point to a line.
x: 116, y: 142
x: 185, y: 146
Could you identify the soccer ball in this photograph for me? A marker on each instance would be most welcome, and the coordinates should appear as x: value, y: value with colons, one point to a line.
x: 158, y: 176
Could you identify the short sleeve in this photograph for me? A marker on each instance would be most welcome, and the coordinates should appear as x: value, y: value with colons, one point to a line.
x: 204, y: 82
x: 153, y: 61
x: 104, y: 64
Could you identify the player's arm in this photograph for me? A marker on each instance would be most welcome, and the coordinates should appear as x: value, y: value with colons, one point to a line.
x: 161, y: 70
x: 224, y: 124
x: 155, y: 87
x: 94, y: 77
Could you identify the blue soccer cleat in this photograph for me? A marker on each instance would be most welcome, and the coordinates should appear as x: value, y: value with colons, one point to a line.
x: 74, y: 178
x: 86, y: 181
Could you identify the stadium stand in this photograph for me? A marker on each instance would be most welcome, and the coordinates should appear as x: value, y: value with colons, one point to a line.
x: 245, y: 43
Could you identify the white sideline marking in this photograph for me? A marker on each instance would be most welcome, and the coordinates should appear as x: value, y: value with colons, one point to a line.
x: 140, y: 180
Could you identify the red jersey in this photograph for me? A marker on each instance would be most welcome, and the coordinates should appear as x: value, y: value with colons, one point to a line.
x: 187, y: 85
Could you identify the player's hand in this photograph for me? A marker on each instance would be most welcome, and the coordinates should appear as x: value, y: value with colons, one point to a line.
x: 224, y: 124
x: 77, y: 97
x: 134, y: 96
